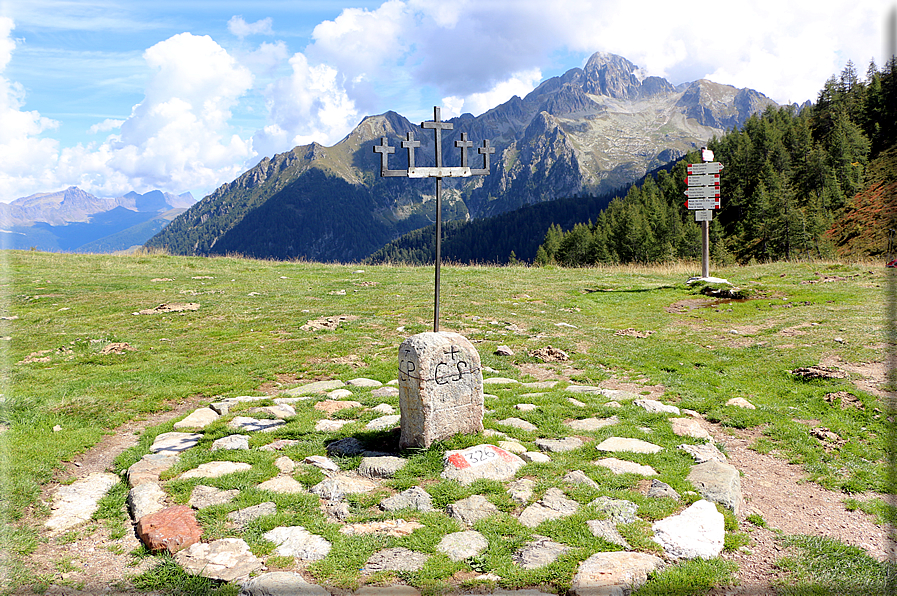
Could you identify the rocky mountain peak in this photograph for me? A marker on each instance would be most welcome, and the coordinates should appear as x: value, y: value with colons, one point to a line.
x: 615, y: 76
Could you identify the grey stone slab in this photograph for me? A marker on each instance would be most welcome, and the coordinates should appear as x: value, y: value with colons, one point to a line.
x: 656, y: 407
x: 690, y: 427
x: 206, y: 496
x: 331, y: 426
x: 471, y: 510
x: 241, y: 517
x: 215, y: 469
x: 384, y: 422
x: 384, y: 392
x: 196, y: 420
x: 296, y: 541
x: 704, y: 453
x: 381, y: 467
x: 519, y: 423
x: 282, y: 484
x: 247, y: 424
x: 324, y: 463
x: 538, y: 553
x: 615, y: 444
x: 440, y: 388
x: 620, y: 466
x: 660, y: 489
x: 462, y: 545
x: 281, y: 583
x: 145, y: 498
x: 236, y: 442
x: 521, y: 491
x: 75, y: 503
x: 718, y: 482
x: 592, y: 424
x: 227, y: 559
x: 558, y: 445
x: 394, y: 559
x: 535, y: 456
x: 174, y: 442
x: 365, y: 383
x: 614, y: 573
x: 413, y: 498
x: 553, y: 505
x: 279, y: 411
x: 619, y: 511
x: 579, y: 477
x: 150, y: 467
x: 338, y: 486
x: 607, y: 529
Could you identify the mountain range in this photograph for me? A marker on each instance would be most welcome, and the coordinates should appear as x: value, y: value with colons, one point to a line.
x: 73, y: 220
x: 591, y: 131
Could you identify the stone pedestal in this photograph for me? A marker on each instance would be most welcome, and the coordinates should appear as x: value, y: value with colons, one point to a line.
x: 440, y: 388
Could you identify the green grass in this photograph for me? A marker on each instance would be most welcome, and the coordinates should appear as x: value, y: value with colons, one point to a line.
x: 246, y: 338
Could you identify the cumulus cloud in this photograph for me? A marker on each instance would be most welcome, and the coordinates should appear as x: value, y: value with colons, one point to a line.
x: 477, y: 103
x: 241, y: 28
x: 26, y: 158
x: 310, y: 105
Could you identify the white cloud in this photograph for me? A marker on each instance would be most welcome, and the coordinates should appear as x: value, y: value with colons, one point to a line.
x: 519, y: 84
x: 26, y: 159
x: 107, y: 125
x: 241, y: 28
x: 310, y: 105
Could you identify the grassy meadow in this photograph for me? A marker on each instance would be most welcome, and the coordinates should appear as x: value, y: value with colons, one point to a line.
x: 62, y: 315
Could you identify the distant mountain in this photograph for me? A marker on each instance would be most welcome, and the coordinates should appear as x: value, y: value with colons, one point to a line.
x: 73, y: 220
x: 590, y: 132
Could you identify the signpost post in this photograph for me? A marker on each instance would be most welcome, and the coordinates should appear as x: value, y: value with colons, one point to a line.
x: 703, y: 197
x: 439, y: 172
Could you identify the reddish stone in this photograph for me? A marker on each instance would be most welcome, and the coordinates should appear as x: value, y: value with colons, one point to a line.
x: 171, y: 529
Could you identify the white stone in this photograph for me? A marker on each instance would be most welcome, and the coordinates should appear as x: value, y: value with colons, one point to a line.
x: 198, y: 419
x: 330, y: 426
x: 500, y: 381
x: 362, y: 382
x: 619, y: 466
x: 319, y: 461
x: 592, y: 424
x: 174, y: 442
x: 535, y: 457
x: 247, y: 424
x: 227, y: 559
x: 697, y: 532
x: 339, y: 394
x: 627, y: 444
x: 690, y: 427
x: 314, y: 388
x: 283, y: 485
x: 462, y: 545
x: 480, y: 461
x: 613, y: 573
x: 740, y: 402
x: 215, y: 469
x: 384, y: 422
x: 296, y: 541
x: 519, y: 423
x: 76, y: 503
x: 512, y: 446
x: 656, y: 407
x: 236, y: 442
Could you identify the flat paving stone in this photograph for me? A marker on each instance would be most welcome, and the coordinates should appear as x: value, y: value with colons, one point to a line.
x: 535, y: 457
x: 459, y: 546
x: 174, y: 442
x: 519, y: 423
x: 384, y: 422
x: 558, y: 445
x: 656, y: 407
x: 145, y: 499
x: 310, y: 389
x: 381, y: 467
x: 613, y: 573
x: 76, y: 503
x: 150, y: 467
x: 384, y: 392
x: 539, y: 552
x: 281, y: 583
x: 331, y: 426
x: 227, y: 559
x: 704, y: 453
x: 627, y: 444
x: 241, y: 517
x: 481, y: 461
x: 413, y: 498
x: 553, y: 505
x: 579, y: 477
x: 206, y: 496
x: 363, y: 382
x: 282, y: 484
x: 296, y: 541
x: 248, y: 424
x: 471, y: 510
x: 279, y: 445
x: 696, y: 533
x: 329, y: 406
x: 235, y: 442
x: 395, y: 559
x: 279, y: 411
x: 607, y: 529
x: 196, y: 420
x: 592, y: 424
x: 620, y: 466
x: 391, y: 527
x: 690, y: 427
x: 338, y: 486
x: 215, y: 469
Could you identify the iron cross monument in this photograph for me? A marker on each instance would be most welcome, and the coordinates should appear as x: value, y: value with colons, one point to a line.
x: 439, y: 172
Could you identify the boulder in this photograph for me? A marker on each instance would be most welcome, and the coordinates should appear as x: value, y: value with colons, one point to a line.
x: 614, y: 573
x: 227, y: 559
x: 697, y: 532
x: 172, y: 529
x: 718, y: 482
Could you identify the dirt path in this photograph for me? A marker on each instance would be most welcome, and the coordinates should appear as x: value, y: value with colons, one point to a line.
x: 780, y: 493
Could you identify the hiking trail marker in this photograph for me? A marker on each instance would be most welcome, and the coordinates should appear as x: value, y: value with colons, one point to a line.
x: 703, y: 198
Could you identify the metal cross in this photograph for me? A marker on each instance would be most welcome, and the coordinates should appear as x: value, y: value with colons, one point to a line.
x: 439, y: 172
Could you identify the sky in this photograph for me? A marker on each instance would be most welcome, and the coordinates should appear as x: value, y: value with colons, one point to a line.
x: 115, y: 96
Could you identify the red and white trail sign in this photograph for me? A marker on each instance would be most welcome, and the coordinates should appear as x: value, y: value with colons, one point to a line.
x: 711, y: 167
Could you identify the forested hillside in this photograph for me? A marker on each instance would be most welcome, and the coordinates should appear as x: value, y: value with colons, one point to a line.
x: 814, y: 182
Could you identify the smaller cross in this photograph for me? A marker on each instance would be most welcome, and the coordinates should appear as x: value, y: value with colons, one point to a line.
x: 464, y: 144
x: 410, y: 144
x: 384, y: 150
x: 485, y: 151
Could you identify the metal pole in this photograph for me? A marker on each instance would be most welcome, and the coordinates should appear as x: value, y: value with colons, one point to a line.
x: 705, y: 249
x: 438, y: 251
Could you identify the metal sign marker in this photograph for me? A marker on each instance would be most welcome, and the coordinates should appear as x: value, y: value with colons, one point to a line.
x: 439, y: 172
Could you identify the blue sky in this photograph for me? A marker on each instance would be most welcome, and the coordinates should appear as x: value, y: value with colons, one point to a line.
x: 113, y: 96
